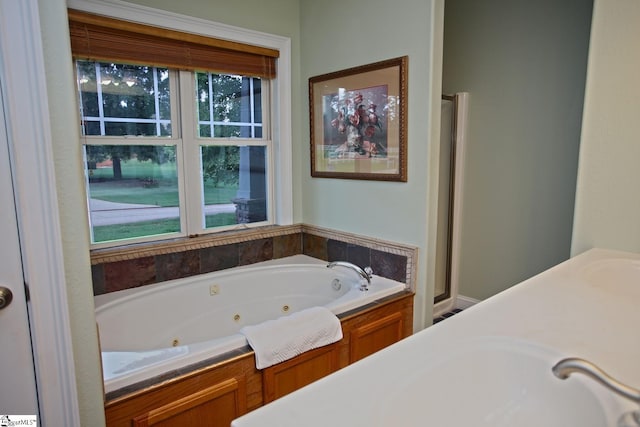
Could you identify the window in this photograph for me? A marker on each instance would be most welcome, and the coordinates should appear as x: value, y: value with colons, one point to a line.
x: 167, y: 128
x: 173, y: 153
x: 174, y: 138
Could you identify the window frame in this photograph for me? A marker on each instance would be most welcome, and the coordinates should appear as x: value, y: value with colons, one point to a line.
x: 175, y: 140
x: 102, y: 119
x: 280, y: 186
x: 192, y: 171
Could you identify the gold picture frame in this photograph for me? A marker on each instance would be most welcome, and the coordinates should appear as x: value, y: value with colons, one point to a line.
x: 358, y: 121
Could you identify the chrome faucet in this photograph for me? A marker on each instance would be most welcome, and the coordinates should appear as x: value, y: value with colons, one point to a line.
x: 365, y: 274
x: 568, y: 366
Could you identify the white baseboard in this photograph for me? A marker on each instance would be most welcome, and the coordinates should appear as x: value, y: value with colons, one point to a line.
x: 463, y: 302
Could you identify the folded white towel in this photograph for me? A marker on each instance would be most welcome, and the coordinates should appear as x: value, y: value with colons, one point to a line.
x: 275, y: 341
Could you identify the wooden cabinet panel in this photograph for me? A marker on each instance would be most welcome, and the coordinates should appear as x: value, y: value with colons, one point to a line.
x: 374, y: 336
x: 283, y: 378
x: 215, y: 406
x: 217, y: 393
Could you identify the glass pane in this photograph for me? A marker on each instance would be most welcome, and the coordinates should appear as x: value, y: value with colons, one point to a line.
x: 86, y: 73
x: 203, y: 96
x: 231, y: 105
x: 235, y: 185
x: 257, y: 103
x: 205, y: 131
x: 133, y: 191
x: 124, y: 99
x: 91, y: 128
x: 227, y: 97
x: 129, y: 128
x: 226, y: 131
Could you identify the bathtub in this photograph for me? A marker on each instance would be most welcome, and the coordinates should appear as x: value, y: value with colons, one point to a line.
x: 148, y: 331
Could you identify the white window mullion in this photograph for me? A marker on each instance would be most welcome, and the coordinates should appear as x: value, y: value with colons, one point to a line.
x: 252, y: 109
x: 100, y: 104
x: 192, y: 169
x: 157, y: 101
x: 265, y: 97
x: 211, y: 105
x: 158, y: 123
x: 176, y: 131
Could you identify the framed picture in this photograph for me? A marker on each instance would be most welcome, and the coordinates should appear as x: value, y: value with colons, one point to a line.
x: 358, y: 122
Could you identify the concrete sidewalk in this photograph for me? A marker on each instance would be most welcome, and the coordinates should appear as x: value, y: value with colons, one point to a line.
x: 109, y: 213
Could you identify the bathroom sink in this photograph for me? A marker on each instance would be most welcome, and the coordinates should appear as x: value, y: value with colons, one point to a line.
x: 497, y: 381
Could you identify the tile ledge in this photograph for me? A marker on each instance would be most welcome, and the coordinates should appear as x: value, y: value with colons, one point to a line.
x: 139, y: 250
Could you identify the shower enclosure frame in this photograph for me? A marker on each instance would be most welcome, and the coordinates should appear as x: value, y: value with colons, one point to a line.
x: 446, y: 300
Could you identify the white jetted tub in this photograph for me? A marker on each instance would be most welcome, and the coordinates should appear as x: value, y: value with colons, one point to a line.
x: 147, y: 331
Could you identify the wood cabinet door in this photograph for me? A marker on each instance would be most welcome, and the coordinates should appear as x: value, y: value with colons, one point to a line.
x: 288, y: 376
x: 214, y: 406
x: 374, y: 336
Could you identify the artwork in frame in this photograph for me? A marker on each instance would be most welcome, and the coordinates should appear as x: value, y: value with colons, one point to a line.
x: 358, y: 119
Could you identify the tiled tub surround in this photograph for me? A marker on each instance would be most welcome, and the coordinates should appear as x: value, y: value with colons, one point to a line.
x: 138, y: 265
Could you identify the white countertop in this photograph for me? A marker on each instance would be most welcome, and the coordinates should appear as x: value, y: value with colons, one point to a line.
x: 580, y: 308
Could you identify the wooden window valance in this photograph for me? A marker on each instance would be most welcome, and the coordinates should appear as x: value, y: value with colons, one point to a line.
x: 100, y: 38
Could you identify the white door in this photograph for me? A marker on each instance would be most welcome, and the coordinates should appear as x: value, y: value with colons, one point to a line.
x: 17, y: 376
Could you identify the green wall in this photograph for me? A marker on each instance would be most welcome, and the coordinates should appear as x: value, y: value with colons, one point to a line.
x: 341, y: 34
x: 279, y: 17
x: 524, y: 65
